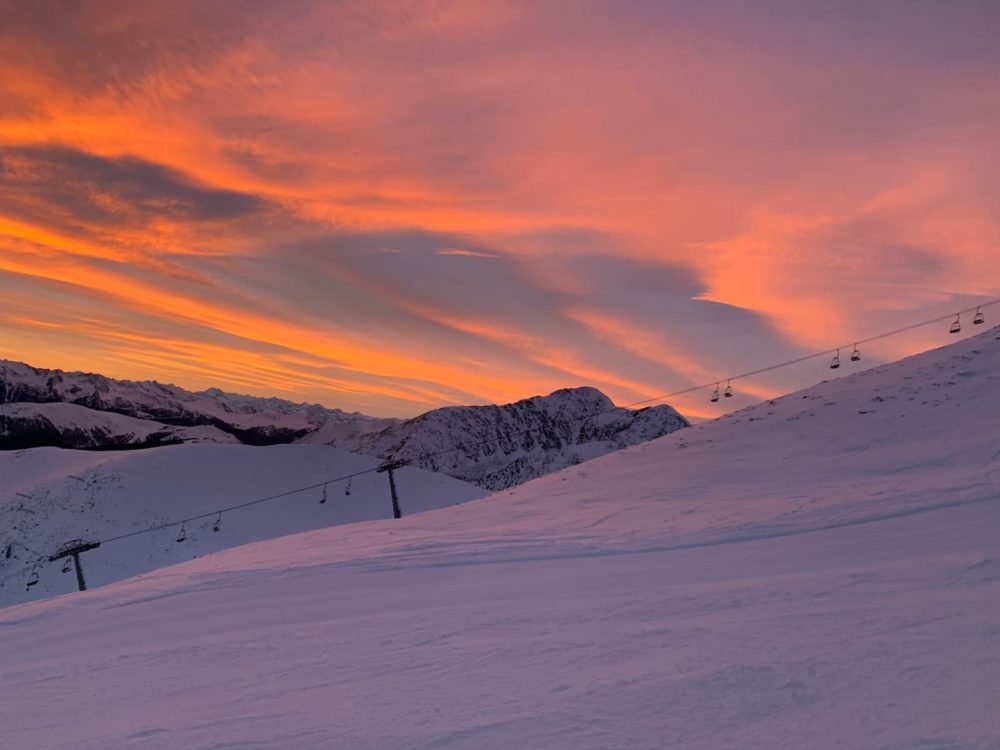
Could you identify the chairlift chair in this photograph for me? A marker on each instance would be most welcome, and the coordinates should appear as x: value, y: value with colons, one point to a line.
x: 182, y: 534
x: 32, y: 579
x: 856, y: 354
x: 715, y: 394
x: 67, y: 566
x: 729, y: 390
x: 835, y: 362
x: 322, y: 500
x: 218, y: 523
x: 348, y: 490
x: 956, y: 325
x: 979, y: 319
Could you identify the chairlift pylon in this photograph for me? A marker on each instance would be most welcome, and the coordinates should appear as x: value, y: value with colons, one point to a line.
x: 956, y: 325
x: 979, y: 318
x: 182, y: 534
x: 856, y: 354
x: 835, y: 362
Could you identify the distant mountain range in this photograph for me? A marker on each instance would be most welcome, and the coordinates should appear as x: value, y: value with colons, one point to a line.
x: 494, y: 447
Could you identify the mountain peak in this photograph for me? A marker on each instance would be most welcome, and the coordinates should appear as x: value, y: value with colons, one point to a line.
x: 500, y: 446
x: 583, y: 395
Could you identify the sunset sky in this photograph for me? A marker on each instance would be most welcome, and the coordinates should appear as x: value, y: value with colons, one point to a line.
x: 391, y: 206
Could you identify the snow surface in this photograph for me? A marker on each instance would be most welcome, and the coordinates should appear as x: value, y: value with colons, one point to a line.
x: 822, y: 571
x: 50, y: 496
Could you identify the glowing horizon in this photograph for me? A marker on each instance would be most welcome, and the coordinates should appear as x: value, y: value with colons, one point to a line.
x: 388, y: 207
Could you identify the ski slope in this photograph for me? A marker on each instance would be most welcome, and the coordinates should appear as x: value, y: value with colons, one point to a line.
x: 49, y: 496
x: 821, y: 571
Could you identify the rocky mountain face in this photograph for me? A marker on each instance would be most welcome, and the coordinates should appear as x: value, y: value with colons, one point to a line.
x: 63, y: 425
x: 494, y: 447
x: 501, y: 446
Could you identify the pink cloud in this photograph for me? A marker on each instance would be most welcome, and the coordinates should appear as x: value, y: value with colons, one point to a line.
x: 789, y: 178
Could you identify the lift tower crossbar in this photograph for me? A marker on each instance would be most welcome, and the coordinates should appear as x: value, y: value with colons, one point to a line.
x: 74, y: 549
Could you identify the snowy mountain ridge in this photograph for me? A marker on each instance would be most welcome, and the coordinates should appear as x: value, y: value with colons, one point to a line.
x: 494, y: 446
x: 251, y: 420
x: 66, y: 425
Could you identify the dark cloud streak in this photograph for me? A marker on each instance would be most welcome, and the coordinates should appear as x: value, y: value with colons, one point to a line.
x: 115, y: 191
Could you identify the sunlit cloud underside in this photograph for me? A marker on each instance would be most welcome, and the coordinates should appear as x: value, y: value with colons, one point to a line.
x: 394, y: 206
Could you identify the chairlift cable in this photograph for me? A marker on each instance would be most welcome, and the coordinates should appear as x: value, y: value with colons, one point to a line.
x: 231, y: 508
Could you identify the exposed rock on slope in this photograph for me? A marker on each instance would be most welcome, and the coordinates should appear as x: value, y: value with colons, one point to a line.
x: 501, y: 446
x: 62, y: 425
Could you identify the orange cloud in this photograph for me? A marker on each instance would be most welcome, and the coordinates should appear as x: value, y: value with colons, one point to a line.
x: 205, y: 198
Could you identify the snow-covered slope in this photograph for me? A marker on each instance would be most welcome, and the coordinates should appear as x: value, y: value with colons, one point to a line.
x: 50, y: 496
x: 501, y: 446
x: 494, y: 446
x: 821, y: 571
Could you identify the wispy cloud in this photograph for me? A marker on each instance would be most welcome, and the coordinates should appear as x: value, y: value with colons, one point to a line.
x: 462, y: 252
